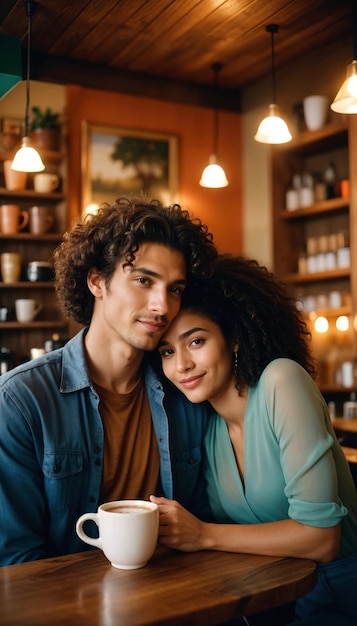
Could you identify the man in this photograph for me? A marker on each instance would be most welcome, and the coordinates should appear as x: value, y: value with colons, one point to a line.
x: 89, y: 422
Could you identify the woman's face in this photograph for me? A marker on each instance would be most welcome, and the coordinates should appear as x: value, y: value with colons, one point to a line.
x: 196, y: 358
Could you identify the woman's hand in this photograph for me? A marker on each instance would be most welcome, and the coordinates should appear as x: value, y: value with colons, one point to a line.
x: 178, y: 528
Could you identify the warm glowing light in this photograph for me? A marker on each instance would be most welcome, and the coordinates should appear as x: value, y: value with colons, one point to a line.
x: 321, y: 324
x: 213, y: 176
x: 346, y: 99
x: 91, y: 209
x: 27, y: 159
x: 273, y: 129
x: 352, y: 86
x: 342, y: 323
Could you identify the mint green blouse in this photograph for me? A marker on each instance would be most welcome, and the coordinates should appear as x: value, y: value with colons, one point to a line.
x: 294, y: 466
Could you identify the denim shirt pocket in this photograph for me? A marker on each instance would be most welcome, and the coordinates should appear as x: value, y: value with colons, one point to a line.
x: 186, y: 471
x: 62, y: 470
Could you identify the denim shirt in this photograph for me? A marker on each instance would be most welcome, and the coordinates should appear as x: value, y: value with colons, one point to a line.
x: 51, y: 452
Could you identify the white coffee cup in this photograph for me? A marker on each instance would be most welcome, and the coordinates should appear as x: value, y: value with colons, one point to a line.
x: 128, y: 531
x: 26, y: 309
x: 315, y: 111
x: 36, y: 352
x: 45, y: 183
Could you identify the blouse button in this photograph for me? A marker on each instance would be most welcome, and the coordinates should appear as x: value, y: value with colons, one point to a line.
x: 96, y: 449
x: 98, y: 463
x: 57, y: 469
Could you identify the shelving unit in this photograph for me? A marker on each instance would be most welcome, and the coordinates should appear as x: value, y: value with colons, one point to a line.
x: 311, y: 152
x: 21, y: 337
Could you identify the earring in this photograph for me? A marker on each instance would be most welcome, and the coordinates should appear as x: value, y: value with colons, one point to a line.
x: 235, y: 364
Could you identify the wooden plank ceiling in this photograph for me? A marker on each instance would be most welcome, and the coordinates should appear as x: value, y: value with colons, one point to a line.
x: 165, y: 48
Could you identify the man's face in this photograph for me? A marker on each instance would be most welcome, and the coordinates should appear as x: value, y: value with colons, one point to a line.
x: 142, y: 299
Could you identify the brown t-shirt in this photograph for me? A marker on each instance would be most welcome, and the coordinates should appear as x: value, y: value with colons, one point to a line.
x: 131, y: 456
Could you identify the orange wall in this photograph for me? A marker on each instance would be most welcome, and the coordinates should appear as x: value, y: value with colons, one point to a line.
x: 221, y: 209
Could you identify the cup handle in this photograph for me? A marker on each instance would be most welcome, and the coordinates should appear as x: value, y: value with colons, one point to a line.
x: 49, y: 221
x: 97, y: 543
x: 55, y: 181
x: 24, y: 219
x: 38, y: 308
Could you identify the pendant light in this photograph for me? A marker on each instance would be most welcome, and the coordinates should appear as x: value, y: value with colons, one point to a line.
x: 346, y: 98
x: 213, y: 176
x: 27, y: 159
x: 273, y: 129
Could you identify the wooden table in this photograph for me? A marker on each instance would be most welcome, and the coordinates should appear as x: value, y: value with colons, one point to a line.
x: 174, y: 589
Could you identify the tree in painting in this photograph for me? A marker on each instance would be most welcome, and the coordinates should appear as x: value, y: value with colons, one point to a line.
x: 148, y: 156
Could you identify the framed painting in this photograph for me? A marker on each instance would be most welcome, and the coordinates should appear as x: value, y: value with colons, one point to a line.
x: 120, y: 162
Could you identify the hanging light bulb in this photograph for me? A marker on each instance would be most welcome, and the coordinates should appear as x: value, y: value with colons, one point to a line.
x: 273, y: 129
x: 321, y: 324
x: 346, y: 98
x: 342, y: 323
x: 213, y: 176
x: 27, y: 159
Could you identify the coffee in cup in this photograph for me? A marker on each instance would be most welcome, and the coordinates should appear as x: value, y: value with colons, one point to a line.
x: 128, y: 531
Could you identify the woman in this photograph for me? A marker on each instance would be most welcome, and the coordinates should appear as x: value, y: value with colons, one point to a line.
x: 277, y: 479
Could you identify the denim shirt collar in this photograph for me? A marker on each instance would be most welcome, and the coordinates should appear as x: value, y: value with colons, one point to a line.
x: 74, y: 374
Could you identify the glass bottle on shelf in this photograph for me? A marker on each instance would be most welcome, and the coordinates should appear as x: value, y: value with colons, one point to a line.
x: 302, y: 263
x: 307, y: 190
x: 311, y: 252
x: 330, y: 181
x: 343, y: 250
x: 330, y: 257
x: 322, y: 245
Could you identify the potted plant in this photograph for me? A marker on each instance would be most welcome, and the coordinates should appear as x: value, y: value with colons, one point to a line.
x: 45, y: 128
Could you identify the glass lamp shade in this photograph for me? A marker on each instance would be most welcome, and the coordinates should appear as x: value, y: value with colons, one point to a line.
x: 27, y: 159
x: 213, y: 175
x: 273, y: 129
x: 346, y: 99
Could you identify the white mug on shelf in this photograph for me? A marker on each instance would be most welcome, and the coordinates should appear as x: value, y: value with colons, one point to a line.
x: 45, y: 183
x: 315, y: 111
x: 26, y: 309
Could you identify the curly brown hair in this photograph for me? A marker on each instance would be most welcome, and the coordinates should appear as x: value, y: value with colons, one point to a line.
x: 114, y: 234
x: 253, y: 309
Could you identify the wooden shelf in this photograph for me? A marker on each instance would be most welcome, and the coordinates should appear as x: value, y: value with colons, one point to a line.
x: 343, y: 310
x: 51, y: 156
x: 342, y: 423
x: 312, y: 151
x: 296, y: 278
x: 319, y: 208
x: 332, y: 388
x: 33, y: 325
x: 29, y: 284
x: 17, y: 336
x: 31, y: 194
x: 50, y: 237
x: 324, y: 139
